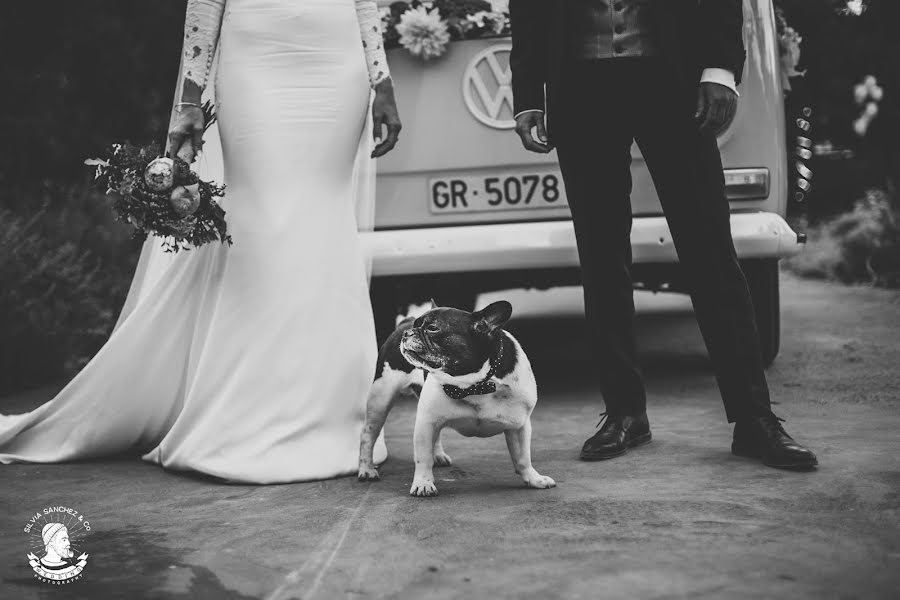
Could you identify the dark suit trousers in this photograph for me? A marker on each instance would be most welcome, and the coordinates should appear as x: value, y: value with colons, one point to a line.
x: 599, y: 108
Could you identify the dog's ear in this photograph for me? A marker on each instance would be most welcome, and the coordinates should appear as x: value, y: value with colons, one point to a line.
x: 492, y: 317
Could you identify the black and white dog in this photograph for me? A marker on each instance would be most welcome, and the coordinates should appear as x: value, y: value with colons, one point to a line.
x: 474, y: 378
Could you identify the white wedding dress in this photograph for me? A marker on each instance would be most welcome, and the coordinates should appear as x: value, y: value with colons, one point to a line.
x: 252, y: 362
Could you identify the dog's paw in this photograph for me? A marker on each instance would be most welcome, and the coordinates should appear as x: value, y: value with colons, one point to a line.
x: 541, y: 482
x: 368, y: 473
x: 442, y: 459
x: 422, y: 488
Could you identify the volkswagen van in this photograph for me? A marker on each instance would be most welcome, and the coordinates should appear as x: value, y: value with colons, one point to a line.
x: 463, y: 209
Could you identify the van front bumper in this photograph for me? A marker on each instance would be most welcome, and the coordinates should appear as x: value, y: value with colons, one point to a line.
x: 550, y: 244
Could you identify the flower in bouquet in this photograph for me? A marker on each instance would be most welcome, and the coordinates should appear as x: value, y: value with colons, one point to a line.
x: 160, y: 174
x: 423, y: 33
x: 185, y: 199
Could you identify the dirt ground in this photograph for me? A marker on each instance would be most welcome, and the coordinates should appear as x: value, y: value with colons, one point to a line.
x: 679, y: 517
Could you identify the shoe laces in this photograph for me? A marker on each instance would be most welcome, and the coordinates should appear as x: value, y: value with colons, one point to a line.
x: 603, y: 417
x: 775, y: 422
x: 774, y: 419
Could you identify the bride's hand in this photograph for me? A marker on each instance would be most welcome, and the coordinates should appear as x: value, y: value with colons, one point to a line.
x: 384, y: 115
x: 185, y: 133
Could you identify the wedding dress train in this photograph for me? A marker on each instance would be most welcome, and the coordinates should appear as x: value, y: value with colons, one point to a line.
x: 251, y: 362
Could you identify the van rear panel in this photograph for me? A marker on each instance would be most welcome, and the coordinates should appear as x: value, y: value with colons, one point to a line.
x: 460, y: 163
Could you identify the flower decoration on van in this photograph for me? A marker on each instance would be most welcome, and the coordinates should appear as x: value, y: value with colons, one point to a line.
x: 425, y: 29
x: 789, y: 50
x: 423, y: 33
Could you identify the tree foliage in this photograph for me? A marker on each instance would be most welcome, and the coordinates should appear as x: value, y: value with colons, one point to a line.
x: 76, y: 76
x: 79, y: 75
x: 838, y: 51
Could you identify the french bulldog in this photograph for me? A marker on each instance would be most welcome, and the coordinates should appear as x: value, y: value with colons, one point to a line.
x: 469, y: 374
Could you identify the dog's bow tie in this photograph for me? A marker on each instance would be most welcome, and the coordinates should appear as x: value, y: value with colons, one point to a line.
x: 485, y: 386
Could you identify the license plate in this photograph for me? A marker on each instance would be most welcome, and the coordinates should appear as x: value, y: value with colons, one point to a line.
x: 496, y: 192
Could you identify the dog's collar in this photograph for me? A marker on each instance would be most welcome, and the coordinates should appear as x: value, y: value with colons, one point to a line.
x: 485, y: 386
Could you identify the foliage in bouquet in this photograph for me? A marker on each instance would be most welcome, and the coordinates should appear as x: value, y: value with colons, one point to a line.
x: 161, y: 196
x: 425, y: 29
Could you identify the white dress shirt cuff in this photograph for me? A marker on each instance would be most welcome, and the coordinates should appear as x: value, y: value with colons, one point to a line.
x: 720, y: 76
x: 527, y: 111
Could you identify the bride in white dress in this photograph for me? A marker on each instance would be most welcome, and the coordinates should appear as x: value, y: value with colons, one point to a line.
x: 252, y: 362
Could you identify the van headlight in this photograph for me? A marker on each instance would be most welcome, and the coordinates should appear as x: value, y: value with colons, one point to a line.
x: 747, y: 184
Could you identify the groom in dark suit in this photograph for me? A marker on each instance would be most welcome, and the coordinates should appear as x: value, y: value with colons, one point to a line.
x: 590, y: 77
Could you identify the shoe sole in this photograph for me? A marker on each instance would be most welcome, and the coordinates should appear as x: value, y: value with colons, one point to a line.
x: 634, y: 442
x: 799, y: 466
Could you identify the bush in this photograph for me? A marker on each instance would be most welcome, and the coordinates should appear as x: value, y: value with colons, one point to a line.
x: 65, y: 269
x: 54, y: 308
x: 99, y: 72
x: 108, y: 76
x: 861, y: 246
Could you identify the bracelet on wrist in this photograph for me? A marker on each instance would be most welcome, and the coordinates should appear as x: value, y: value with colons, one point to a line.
x: 180, y: 104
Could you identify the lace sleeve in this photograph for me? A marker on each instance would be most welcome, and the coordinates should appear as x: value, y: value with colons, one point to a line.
x: 373, y: 44
x: 201, y: 34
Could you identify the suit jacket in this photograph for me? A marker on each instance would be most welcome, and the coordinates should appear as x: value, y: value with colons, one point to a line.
x: 691, y: 35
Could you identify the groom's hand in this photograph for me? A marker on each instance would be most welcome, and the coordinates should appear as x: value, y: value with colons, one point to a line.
x: 533, y: 120
x: 716, y: 105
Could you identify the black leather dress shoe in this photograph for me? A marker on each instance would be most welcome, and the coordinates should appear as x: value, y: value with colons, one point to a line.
x: 765, y: 438
x: 618, y: 434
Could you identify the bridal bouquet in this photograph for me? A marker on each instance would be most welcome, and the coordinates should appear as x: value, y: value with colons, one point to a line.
x: 161, y: 196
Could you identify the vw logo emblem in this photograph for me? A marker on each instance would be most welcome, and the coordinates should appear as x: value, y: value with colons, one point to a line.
x: 487, y: 87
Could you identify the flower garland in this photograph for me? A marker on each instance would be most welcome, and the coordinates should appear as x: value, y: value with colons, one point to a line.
x: 789, y: 39
x: 789, y: 50
x: 425, y: 28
